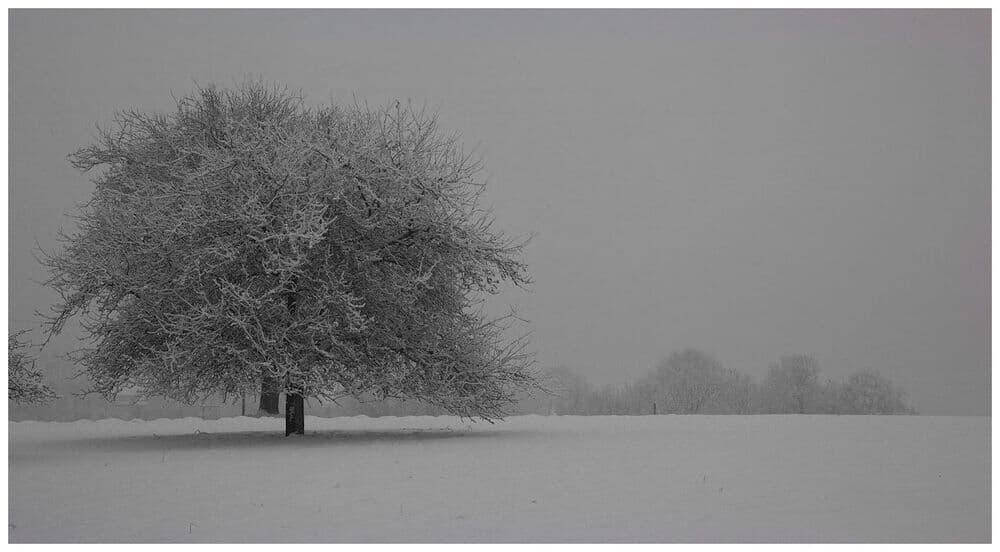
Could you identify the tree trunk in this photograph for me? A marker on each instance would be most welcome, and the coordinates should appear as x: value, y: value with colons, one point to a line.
x: 269, y: 396
x: 295, y: 414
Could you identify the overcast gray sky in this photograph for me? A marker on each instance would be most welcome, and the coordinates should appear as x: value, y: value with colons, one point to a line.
x: 750, y: 183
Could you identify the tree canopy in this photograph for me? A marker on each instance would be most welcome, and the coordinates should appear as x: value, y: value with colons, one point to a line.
x: 338, y: 251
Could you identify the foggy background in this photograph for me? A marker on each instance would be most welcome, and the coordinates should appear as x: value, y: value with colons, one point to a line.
x: 752, y: 184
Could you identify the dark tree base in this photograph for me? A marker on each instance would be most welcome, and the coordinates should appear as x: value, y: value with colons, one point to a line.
x: 295, y: 414
x: 269, y: 397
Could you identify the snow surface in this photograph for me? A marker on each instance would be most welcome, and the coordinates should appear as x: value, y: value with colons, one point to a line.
x: 528, y: 479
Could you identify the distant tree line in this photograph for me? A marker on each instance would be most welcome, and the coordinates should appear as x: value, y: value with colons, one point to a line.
x: 694, y: 382
x: 686, y: 382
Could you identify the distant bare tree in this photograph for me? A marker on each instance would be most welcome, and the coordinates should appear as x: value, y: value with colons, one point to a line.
x: 687, y: 381
x: 735, y: 395
x: 246, y: 242
x: 790, y: 384
x: 569, y: 391
x: 24, y: 383
x: 828, y: 399
x: 867, y: 392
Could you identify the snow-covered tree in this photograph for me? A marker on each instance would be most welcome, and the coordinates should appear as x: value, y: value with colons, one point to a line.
x: 247, y: 241
x: 24, y: 383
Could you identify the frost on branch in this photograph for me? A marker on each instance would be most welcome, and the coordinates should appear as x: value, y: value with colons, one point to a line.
x: 244, y: 236
x: 24, y: 383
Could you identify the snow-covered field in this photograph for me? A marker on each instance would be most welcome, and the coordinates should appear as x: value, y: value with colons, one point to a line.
x: 529, y: 479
